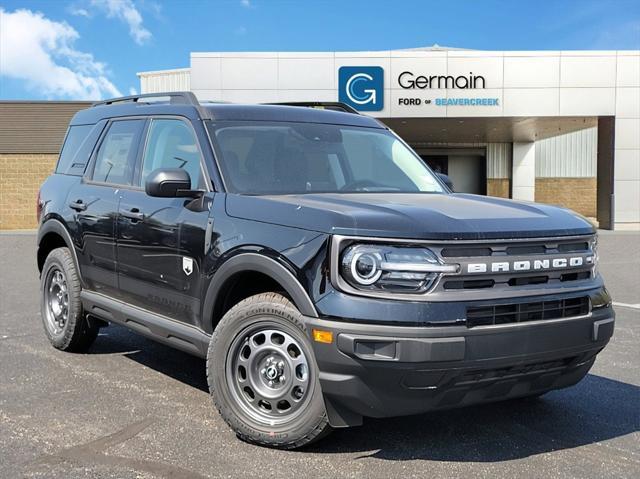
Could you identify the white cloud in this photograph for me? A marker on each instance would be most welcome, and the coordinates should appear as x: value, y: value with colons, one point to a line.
x: 132, y: 91
x: 126, y: 11
x: 41, y: 52
x: 246, y: 3
x: 79, y: 12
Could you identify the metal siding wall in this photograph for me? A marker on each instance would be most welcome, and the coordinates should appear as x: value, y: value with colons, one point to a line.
x: 572, y: 155
x: 499, y: 160
x: 178, y: 80
x: 35, y: 127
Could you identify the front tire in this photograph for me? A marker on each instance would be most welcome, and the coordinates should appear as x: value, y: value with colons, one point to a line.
x: 262, y: 374
x: 64, y: 321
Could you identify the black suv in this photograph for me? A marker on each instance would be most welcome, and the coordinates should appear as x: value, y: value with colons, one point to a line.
x: 322, y: 269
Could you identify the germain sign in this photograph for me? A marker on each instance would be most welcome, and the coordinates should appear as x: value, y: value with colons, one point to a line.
x: 408, y: 80
x: 362, y: 87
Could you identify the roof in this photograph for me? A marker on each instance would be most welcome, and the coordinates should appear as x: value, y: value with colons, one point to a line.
x: 35, y: 127
x: 433, y: 48
x: 164, y: 72
x: 239, y: 112
x: 225, y: 111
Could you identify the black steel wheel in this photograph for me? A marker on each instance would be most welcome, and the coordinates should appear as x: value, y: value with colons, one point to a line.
x: 262, y: 374
x: 56, y: 299
x: 268, y: 374
x: 61, y: 309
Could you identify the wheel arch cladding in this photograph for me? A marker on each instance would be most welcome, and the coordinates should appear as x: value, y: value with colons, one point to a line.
x: 51, y: 235
x: 253, y: 263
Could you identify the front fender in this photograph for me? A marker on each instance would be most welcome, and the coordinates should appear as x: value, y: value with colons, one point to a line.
x: 261, y: 264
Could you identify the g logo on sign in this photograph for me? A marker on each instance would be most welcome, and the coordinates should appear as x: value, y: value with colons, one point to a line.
x: 362, y: 87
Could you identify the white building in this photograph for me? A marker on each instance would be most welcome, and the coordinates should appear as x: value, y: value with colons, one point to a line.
x: 559, y: 127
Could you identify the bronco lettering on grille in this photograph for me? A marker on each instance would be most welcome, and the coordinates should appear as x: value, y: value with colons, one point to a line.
x: 530, y: 265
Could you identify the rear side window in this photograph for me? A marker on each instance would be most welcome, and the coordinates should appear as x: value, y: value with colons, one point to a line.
x: 76, y: 136
x: 116, y: 156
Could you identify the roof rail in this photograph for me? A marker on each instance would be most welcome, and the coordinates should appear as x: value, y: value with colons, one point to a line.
x: 175, y: 98
x: 327, y: 105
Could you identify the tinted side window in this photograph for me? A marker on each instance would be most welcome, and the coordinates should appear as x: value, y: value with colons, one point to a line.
x: 116, y: 156
x: 172, y: 144
x: 76, y: 136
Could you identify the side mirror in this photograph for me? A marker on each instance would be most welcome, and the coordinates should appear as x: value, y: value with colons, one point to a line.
x: 446, y: 180
x: 169, y: 183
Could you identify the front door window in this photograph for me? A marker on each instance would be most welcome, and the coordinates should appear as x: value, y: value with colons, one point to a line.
x: 172, y: 144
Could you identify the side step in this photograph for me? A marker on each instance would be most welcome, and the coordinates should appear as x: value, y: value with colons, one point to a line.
x: 160, y: 328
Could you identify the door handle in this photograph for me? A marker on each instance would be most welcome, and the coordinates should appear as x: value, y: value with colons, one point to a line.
x: 133, y: 214
x: 78, y: 205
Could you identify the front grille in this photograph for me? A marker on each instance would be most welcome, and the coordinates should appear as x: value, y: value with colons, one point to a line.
x: 465, y: 252
x: 575, y: 276
x: 523, y: 312
x: 528, y: 249
x: 502, y: 249
x: 525, y: 280
x: 573, y: 247
x: 515, y: 281
x: 470, y: 284
x: 504, y: 265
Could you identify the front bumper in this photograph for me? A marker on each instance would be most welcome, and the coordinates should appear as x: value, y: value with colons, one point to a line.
x: 382, y: 371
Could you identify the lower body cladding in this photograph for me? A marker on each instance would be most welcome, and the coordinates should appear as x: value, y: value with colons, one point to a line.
x: 384, y: 371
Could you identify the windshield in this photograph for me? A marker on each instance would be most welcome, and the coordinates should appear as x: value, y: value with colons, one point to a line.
x: 292, y: 158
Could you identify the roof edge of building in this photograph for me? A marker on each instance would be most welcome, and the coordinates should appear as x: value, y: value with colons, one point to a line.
x: 47, y: 102
x: 164, y: 72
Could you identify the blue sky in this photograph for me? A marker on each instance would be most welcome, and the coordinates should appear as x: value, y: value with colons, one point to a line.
x: 87, y: 49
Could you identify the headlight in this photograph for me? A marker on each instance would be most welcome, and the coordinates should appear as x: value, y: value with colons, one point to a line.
x: 391, y: 268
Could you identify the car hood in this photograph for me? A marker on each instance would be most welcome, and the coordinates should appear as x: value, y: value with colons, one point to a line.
x: 416, y: 216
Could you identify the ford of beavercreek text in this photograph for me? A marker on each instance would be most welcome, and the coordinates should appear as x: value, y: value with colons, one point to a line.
x: 324, y: 272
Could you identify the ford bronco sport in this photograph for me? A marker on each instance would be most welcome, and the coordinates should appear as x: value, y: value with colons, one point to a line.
x: 324, y: 272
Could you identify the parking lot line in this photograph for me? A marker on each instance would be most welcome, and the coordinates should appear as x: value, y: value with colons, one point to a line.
x: 627, y: 305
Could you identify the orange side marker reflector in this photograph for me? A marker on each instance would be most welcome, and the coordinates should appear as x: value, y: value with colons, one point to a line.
x: 321, y: 336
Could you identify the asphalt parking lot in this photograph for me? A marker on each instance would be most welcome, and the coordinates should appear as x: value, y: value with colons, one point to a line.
x: 131, y: 408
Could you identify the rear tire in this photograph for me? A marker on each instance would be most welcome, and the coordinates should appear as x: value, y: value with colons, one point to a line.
x: 64, y: 321
x: 263, y: 377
